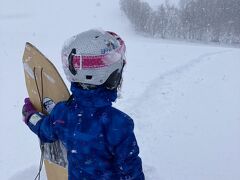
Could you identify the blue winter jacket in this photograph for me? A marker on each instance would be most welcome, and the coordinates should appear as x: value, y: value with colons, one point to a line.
x: 99, y: 139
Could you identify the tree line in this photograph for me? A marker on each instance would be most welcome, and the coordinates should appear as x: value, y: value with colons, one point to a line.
x: 203, y: 20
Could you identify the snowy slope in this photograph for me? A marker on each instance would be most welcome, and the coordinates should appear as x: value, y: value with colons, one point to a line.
x: 184, y: 97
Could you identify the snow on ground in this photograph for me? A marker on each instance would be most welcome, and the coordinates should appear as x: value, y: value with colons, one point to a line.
x: 187, y: 113
x: 184, y: 97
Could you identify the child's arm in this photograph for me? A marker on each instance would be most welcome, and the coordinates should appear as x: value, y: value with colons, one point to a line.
x: 40, y: 124
x: 124, y: 148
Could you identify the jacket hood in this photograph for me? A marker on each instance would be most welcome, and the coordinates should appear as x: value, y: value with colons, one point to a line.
x: 98, y: 97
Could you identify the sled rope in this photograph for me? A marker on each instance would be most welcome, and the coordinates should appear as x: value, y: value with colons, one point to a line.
x: 38, y: 176
x: 39, y: 95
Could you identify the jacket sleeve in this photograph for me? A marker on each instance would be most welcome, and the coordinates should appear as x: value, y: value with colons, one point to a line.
x: 42, y: 126
x: 124, y: 147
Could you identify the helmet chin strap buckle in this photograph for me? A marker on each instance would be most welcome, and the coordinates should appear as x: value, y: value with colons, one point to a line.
x: 70, y: 62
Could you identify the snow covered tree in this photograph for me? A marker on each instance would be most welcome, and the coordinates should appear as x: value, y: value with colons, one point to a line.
x: 203, y: 20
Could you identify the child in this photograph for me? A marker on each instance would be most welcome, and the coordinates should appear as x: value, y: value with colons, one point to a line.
x: 99, y: 139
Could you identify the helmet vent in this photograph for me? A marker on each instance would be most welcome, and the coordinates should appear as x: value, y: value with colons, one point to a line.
x: 88, y: 77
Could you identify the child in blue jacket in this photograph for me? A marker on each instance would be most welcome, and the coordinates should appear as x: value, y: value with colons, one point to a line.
x: 99, y: 139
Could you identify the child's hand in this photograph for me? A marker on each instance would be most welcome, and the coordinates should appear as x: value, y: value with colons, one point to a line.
x: 28, y: 110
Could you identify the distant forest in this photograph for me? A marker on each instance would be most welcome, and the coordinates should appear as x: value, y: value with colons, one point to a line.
x: 203, y: 20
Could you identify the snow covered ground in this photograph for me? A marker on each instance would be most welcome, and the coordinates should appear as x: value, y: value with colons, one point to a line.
x: 184, y: 97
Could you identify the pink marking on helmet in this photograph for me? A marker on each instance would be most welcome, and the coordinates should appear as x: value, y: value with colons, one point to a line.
x: 76, y: 61
x: 80, y: 62
x: 94, y: 62
x: 89, y: 61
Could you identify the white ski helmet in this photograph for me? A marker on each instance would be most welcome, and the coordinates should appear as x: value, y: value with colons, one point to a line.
x: 94, y: 57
